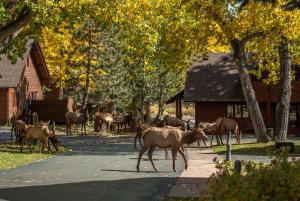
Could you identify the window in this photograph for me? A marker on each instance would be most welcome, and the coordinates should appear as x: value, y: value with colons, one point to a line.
x: 230, y: 110
x: 294, y: 117
x: 33, y: 95
x: 237, y: 111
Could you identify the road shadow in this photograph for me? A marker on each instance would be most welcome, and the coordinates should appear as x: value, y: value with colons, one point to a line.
x: 139, y: 189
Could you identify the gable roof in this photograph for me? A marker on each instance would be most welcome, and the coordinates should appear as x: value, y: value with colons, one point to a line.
x: 10, y: 74
x: 213, y: 79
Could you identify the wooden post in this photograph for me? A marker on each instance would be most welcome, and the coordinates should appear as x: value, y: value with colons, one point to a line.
x: 179, y: 109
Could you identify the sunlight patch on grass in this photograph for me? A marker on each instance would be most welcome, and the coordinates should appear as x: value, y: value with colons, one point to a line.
x: 253, y: 148
x: 11, y: 157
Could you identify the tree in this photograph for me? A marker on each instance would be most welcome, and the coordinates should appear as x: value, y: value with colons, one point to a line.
x: 244, y: 25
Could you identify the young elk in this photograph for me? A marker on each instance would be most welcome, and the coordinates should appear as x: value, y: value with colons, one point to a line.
x: 229, y: 126
x: 76, y: 118
x: 168, y: 138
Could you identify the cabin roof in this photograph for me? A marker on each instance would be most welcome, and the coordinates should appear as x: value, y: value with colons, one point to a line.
x: 10, y: 74
x: 213, y: 79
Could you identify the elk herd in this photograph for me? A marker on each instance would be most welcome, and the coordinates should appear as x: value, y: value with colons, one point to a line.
x: 31, y: 134
x: 174, y: 133
x: 168, y: 133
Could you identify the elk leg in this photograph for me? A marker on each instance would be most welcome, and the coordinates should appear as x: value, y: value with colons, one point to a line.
x: 183, y: 156
x: 221, y: 140
x: 237, y: 139
x: 166, y: 153
x: 84, y: 128
x: 142, y: 151
x: 174, y: 151
x: 150, y: 152
x: 135, y: 138
x: 140, y: 141
x: 212, y: 139
x: 203, y: 140
x: 198, y: 143
x: 22, y: 143
x: 11, y: 131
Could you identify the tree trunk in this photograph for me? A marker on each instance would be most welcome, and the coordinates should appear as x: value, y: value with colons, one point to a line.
x: 283, y: 104
x: 88, y: 72
x: 148, y: 112
x: 249, y: 94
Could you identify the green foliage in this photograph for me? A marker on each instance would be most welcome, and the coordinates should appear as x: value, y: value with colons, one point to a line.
x: 278, y: 180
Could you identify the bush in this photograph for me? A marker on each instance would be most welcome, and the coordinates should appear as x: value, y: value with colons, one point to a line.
x: 277, y: 181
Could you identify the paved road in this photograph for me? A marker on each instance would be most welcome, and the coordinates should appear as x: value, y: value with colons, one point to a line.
x: 96, y: 169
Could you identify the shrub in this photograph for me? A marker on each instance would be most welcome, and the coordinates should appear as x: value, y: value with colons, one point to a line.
x: 277, y: 181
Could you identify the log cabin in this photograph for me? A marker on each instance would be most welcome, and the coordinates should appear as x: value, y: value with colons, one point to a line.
x: 23, y: 82
x: 213, y: 86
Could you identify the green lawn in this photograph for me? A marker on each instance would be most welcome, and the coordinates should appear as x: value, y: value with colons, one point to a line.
x: 10, y: 156
x: 254, y: 148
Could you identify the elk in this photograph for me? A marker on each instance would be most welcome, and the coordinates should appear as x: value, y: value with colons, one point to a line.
x: 231, y: 127
x: 141, y: 127
x: 168, y: 138
x: 41, y: 133
x: 76, y: 118
x: 104, y: 118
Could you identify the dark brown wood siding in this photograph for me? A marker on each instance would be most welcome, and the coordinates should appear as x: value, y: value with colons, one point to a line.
x: 53, y: 110
x: 210, y: 111
x: 270, y: 93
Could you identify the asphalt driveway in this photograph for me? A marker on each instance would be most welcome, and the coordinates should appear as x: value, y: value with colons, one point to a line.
x: 97, y: 168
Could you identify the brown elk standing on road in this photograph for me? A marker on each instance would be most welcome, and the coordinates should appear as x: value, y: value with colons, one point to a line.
x: 168, y: 138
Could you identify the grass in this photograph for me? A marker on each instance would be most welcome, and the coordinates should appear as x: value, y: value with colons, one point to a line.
x: 11, y: 157
x: 179, y: 199
x: 261, y: 149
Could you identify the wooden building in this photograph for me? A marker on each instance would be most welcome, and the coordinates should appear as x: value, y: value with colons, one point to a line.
x: 22, y: 83
x: 214, y: 86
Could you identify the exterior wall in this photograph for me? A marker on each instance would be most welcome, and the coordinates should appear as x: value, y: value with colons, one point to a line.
x: 31, y: 75
x: 8, y: 104
x: 53, y: 110
x: 210, y: 111
x: 270, y: 93
x: 3, y: 106
x: 12, y: 102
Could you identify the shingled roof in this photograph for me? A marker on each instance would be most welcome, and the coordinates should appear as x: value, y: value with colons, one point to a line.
x: 10, y: 74
x: 214, y: 79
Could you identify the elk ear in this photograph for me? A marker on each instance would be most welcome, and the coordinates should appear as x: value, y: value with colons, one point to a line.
x: 48, y: 122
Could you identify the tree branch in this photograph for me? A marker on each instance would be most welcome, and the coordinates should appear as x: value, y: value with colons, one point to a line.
x: 243, y: 4
x: 25, y: 18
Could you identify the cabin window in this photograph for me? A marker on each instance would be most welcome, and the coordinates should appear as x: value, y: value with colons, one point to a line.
x: 294, y: 117
x: 34, y: 95
x: 237, y: 111
x: 230, y: 110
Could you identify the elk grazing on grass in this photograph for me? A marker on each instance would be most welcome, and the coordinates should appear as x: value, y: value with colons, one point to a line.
x: 19, y: 129
x: 168, y: 138
x: 39, y: 132
x: 76, y: 118
x: 209, y: 129
x: 229, y: 126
